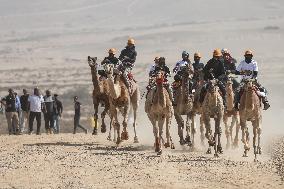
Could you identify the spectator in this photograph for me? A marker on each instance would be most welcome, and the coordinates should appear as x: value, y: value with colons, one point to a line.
x: 50, y: 112
x: 25, y: 110
x: 77, y: 107
x: 58, y: 114
x: 19, y: 111
x: 36, y: 105
x: 11, y: 112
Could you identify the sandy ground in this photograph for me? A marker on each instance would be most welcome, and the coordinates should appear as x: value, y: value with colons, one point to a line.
x: 80, y: 161
x: 45, y: 44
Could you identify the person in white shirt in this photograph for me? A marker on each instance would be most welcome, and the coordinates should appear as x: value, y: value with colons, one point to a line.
x: 178, y: 69
x: 35, y: 105
x: 248, y: 69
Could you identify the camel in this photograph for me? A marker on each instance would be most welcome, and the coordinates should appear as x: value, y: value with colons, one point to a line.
x: 250, y: 110
x: 213, y: 107
x: 100, y: 95
x: 184, y: 106
x: 120, y: 101
x: 158, y: 108
x: 197, y: 106
x: 231, y: 112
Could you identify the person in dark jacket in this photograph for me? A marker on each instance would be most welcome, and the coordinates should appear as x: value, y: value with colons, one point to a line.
x: 198, y: 69
x: 214, y: 69
x: 110, y: 59
x: 58, y: 114
x: 50, y: 111
x: 77, y: 115
x: 230, y: 66
x: 11, y: 112
x: 25, y: 110
x: 128, y: 58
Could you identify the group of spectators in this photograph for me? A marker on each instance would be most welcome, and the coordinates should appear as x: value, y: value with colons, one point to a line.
x: 23, y: 110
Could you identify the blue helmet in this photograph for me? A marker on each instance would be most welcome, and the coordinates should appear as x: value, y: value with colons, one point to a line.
x: 184, y: 53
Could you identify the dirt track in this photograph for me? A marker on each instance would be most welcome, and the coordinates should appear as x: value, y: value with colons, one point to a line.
x: 80, y: 161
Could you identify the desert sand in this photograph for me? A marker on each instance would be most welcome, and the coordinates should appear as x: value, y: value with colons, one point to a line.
x: 46, y: 44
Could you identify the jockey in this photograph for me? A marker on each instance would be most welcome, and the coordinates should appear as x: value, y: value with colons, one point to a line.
x: 250, y: 66
x: 230, y: 66
x: 198, y: 68
x: 214, y: 69
x: 160, y: 64
x: 177, y: 70
x: 128, y: 58
x: 110, y: 59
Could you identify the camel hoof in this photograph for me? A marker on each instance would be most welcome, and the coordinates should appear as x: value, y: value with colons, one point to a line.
x: 95, y: 132
x: 208, y: 151
x: 219, y: 150
x: 103, y: 128
x: 216, y: 155
x: 159, y: 152
x: 211, y: 143
x: 167, y: 145
x: 259, y: 150
x: 124, y: 135
x: 245, y: 155
x: 118, y: 141
x: 136, y: 140
x: 255, y: 160
x: 182, y: 142
x: 109, y: 138
x: 173, y: 146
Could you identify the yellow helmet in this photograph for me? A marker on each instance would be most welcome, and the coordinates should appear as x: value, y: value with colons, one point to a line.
x: 248, y: 52
x: 112, y: 51
x: 130, y: 41
x: 217, y: 52
x: 197, y: 54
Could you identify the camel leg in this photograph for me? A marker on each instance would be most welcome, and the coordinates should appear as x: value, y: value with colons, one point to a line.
x: 219, y: 133
x: 124, y: 134
x: 202, y: 136
x: 169, y: 137
x: 180, y: 128
x: 193, y: 128
x: 135, y: 107
x: 227, y: 132
x: 245, y: 137
x: 208, y: 133
x: 96, y: 108
x: 110, y: 128
x: 258, y: 140
x: 103, y: 126
x: 155, y: 131
x: 236, y: 139
x: 188, y: 135
x: 161, y: 121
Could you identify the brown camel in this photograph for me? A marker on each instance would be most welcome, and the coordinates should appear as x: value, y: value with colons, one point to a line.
x: 250, y: 110
x: 231, y: 112
x: 184, y: 106
x: 100, y: 95
x: 120, y: 101
x: 197, y: 106
x: 158, y: 108
x: 213, y: 107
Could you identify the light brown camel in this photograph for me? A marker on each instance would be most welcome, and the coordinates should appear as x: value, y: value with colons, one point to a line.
x: 158, y: 107
x: 100, y: 95
x: 197, y: 106
x: 120, y: 101
x: 250, y: 110
x: 231, y: 112
x: 184, y: 106
x: 213, y: 107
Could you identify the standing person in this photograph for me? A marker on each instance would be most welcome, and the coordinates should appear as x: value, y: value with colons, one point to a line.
x: 25, y: 110
x: 51, y: 110
x: 57, y: 114
x: 19, y: 111
x: 36, y: 105
x: 77, y: 107
x: 11, y: 112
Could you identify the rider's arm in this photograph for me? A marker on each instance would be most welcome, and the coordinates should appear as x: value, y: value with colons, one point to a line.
x: 254, y: 74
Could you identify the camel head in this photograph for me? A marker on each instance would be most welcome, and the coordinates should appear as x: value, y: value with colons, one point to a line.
x: 249, y: 86
x: 160, y: 77
x: 109, y: 69
x: 229, y: 84
x: 213, y: 87
x: 92, y: 61
x: 185, y: 71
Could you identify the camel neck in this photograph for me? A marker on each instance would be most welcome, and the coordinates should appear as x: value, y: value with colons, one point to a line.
x: 95, y: 79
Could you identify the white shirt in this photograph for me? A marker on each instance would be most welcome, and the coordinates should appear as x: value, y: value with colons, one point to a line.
x: 35, y: 103
x: 179, y: 65
x: 243, y: 66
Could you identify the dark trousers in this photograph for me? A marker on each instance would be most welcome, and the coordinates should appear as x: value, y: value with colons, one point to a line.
x: 32, y: 116
x: 77, y: 124
x: 49, y: 120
